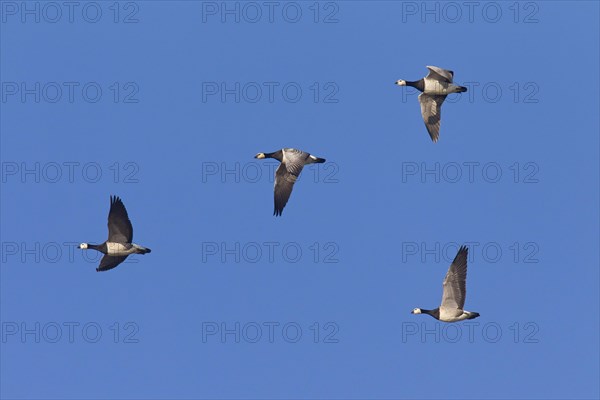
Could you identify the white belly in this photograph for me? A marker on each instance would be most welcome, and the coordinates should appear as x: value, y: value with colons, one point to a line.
x: 452, y: 315
x: 119, y: 249
x: 435, y: 87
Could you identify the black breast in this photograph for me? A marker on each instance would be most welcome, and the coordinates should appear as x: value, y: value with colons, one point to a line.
x: 434, y: 313
x: 103, y: 248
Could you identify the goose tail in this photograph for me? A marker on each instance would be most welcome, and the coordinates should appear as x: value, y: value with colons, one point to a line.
x: 473, y: 315
x: 313, y: 159
x: 142, y: 249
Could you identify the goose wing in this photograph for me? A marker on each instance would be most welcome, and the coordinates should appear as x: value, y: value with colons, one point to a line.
x: 109, y: 262
x: 431, y: 111
x: 439, y: 74
x: 455, y: 283
x: 285, y: 177
x: 119, y: 225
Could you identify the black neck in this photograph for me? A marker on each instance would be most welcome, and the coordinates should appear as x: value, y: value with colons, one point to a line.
x: 420, y: 84
x: 102, y: 248
x: 434, y: 313
x: 276, y: 155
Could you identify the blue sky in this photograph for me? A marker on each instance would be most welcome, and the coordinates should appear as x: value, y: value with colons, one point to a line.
x: 165, y: 105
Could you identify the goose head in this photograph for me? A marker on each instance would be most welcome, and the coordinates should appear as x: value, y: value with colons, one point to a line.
x: 260, y: 156
x: 83, y: 246
x: 416, y: 311
x: 400, y: 82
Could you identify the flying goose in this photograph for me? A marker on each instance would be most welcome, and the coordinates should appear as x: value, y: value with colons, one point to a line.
x: 292, y: 162
x: 454, y: 293
x: 120, y: 233
x: 435, y: 87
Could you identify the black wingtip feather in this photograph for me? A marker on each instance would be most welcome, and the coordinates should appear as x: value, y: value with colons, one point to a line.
x: 463, y: 251
x: 114, y: 199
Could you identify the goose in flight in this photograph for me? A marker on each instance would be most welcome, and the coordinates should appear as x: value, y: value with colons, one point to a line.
x: 454, y: 292
x: 434, y: 87
x: 120, y: 233
x: 292, y: 162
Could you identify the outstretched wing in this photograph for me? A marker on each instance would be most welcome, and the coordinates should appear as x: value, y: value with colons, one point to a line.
x: 431, y: 111
x: 440, y: 74
x: 455, y: 283
x: 109, y: 262
x: 284, y: 183
x: 119, y: 225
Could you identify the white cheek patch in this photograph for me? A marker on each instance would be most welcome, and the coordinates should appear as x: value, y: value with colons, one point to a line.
x: 313, y: 157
